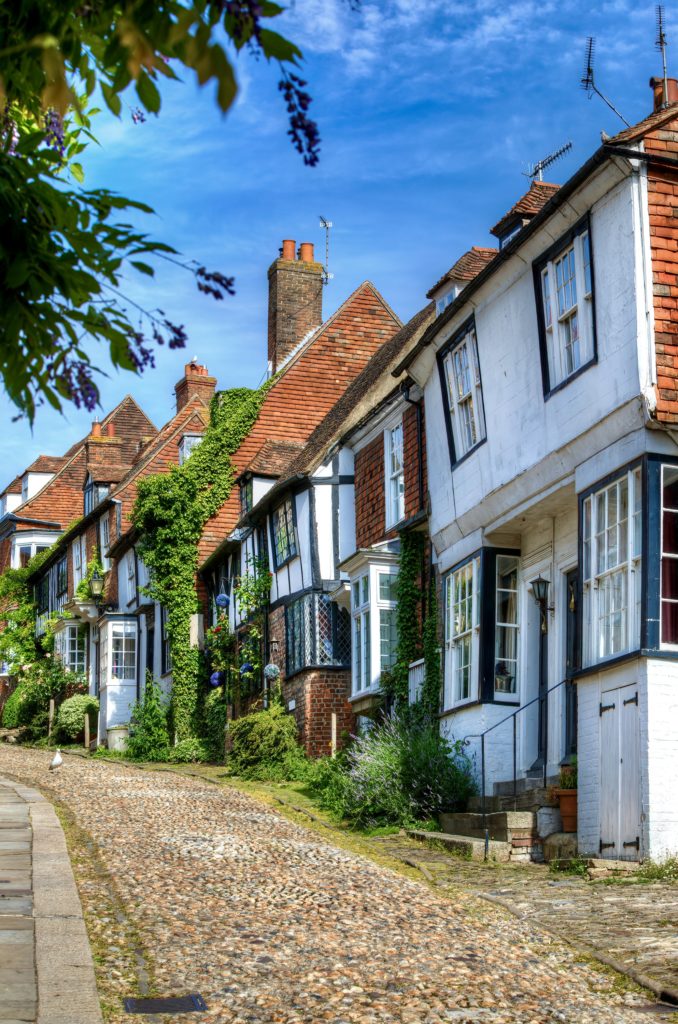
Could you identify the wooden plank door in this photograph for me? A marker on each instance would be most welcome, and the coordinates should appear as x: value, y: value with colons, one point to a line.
x: 620, y: 774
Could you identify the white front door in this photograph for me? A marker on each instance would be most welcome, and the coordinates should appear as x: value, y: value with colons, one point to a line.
x: 620, y: 774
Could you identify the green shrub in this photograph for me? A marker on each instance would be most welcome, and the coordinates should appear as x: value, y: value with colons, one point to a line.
x: 149, y: 737
x: 37, y: 728
x: 401, y: 772
x: 10, y: 712
x: 215, y: 718
x: 71, y: 715
x: 659, y: 871
x: 265, y: 744
x: 189, y: 751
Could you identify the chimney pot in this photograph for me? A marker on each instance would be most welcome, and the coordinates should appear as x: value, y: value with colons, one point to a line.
x: 288, y: 247
x: 192, y: 369
x: 110, y: 429
x: 657, y: 86
x: 96, y: 429
x: 306, y: 252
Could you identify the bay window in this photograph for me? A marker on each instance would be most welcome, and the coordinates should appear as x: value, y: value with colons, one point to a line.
x: 460, y: 372
x: 374, y: 624
x: 70, y: 648
x: 317, y: 632
x: 117, y: 652
x: 611, y: 530
x: 462, y: 633
x: 564, y: 284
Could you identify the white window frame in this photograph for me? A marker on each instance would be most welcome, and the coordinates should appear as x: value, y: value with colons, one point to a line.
x: 502, y: 691
x: 671, y: 556
x: 123, y: 643
x: 464, y: 392
x: 187, y: 445
x: 462, y: 645
x: 394, y: 473
x: 70, y: 646
x: 370, y: 610
x: 611, y: 569
x: 566, y: 284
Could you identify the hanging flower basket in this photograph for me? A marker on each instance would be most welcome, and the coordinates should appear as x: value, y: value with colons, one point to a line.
x: 217, y: 679
x: 271, y: 671
x: 222, y: 600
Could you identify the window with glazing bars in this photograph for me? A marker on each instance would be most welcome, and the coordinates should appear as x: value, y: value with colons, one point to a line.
x: 284, y: 539
x: 317, y: 633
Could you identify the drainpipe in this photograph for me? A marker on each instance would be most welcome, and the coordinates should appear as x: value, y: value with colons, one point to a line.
x: 405, y: 391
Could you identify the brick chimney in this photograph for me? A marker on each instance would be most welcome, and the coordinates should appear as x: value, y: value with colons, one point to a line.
x: 295, y: 300
x: 657, y: 86
x: 196, y: 381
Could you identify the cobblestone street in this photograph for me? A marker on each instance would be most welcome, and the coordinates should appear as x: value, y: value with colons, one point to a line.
x: 272, y: 923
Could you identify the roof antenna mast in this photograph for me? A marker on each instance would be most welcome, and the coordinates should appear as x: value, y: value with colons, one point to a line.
x: 588, y: 83
x: 661, y: 46
x: 536, y: 171
x: 326, y: 224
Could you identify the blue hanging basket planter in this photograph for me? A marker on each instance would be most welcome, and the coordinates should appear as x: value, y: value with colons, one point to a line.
x: 246, y: 668
x: 217, y: 679
x: 222, y: 600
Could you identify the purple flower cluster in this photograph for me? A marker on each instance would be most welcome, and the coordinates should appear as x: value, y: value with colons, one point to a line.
x: 303, y: 130
x: 243, y: 18
x: 140, y: 354
x: 215, y: 284
x: 138, y: 116
x: 9, y: 134
x: 54, y: 132
x: 75, y: 377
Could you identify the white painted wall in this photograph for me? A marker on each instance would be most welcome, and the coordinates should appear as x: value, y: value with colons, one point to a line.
x: 324, y: 524
x: 661, y: 744
x: 31, y: 483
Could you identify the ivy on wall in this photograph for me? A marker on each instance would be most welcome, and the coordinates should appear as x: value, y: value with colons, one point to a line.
x: 170, y: 513
x: 414, y: 639
x: 19, y: 644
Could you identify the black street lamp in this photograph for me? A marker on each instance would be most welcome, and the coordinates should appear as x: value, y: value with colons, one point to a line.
x: 540, y: 592
x: 96, y: 586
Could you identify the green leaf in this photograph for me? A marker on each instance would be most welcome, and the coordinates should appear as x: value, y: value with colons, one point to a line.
x: 279, y: 48
x: 148, y: 93
x: 113, y: 101
x: 77, y: 172
x: 143, y: 268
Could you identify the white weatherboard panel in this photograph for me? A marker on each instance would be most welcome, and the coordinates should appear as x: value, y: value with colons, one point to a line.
x: 324, y: 530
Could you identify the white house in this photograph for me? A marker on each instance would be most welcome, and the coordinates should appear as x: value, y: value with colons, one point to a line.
x: 553, y: 472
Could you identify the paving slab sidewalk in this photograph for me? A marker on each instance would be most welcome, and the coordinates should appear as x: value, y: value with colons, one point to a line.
x: 46, y: 969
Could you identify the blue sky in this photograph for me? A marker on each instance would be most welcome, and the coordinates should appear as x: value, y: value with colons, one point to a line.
x: 429, y: 111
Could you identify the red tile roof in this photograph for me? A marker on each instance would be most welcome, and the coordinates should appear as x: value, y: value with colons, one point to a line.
x: 536, y: 196
x: 273, y: 457
x: 46, y: 464
x: 654, y: 120
x: 14, y: 487
x: 466, y: 267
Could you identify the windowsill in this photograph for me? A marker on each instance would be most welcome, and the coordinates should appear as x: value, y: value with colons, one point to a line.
x: 286, y: 561
x: 372, y: 691
x: 617, y: 659
x: 459, y: 706
x: 568, y: 380
x: 462, y: 458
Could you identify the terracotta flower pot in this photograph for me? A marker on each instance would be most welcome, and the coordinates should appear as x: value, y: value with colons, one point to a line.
x: 567, y: 799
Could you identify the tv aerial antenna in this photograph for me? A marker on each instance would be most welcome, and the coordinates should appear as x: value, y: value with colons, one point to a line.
x: 588, y: 82
x: 326, y: 225
x: 536, y: 171
x: 661, y: 46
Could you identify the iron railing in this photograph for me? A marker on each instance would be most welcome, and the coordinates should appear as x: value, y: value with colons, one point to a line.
x: 542, y: 698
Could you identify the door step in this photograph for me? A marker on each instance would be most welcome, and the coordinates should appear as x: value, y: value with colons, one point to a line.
x: 519, y: 829
x: 463, y: 846
x: 599, y: 867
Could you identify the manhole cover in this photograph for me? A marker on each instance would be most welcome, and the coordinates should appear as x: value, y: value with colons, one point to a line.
x: 166, y: 1004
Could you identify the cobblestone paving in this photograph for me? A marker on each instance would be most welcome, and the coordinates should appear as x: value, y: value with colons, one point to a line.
x: 275, y: 925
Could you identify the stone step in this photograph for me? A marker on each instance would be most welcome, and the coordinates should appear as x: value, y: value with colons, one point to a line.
x: 501, y: 825
x: 462, y: 846
x: 599, y: 867
x: 524, y: 785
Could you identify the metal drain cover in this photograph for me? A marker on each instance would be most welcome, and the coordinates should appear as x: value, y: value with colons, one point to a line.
x: 166, y: 1004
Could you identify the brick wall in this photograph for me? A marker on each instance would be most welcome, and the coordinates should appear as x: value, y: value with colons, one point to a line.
x: 411, y: 458
x: 662, y: 189
x: 370, y: 507
x: 318, y: 693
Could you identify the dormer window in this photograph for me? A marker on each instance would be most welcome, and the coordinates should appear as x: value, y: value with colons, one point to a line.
x: 511, y: 233
x: 93, y: 494
x: 24, y: 488
x: 447, y: 298
x: 187, y: 444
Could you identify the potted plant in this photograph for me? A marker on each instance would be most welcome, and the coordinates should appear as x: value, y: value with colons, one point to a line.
x: 566, y: 791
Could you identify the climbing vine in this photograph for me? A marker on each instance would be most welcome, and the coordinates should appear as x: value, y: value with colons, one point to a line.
x: 430, y: 692
x: 19, y: 644
x: 170, y: 512
x: 408, y: 617
x: 252, y: 594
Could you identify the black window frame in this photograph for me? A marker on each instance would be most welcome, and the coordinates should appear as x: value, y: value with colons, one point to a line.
x: 290, y: 530
x: 61, y: 576
x: 246, y: 495
x: 88, y: 496
x: 165, y: 647
x: 582, y: 225
x: 448, y: 348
